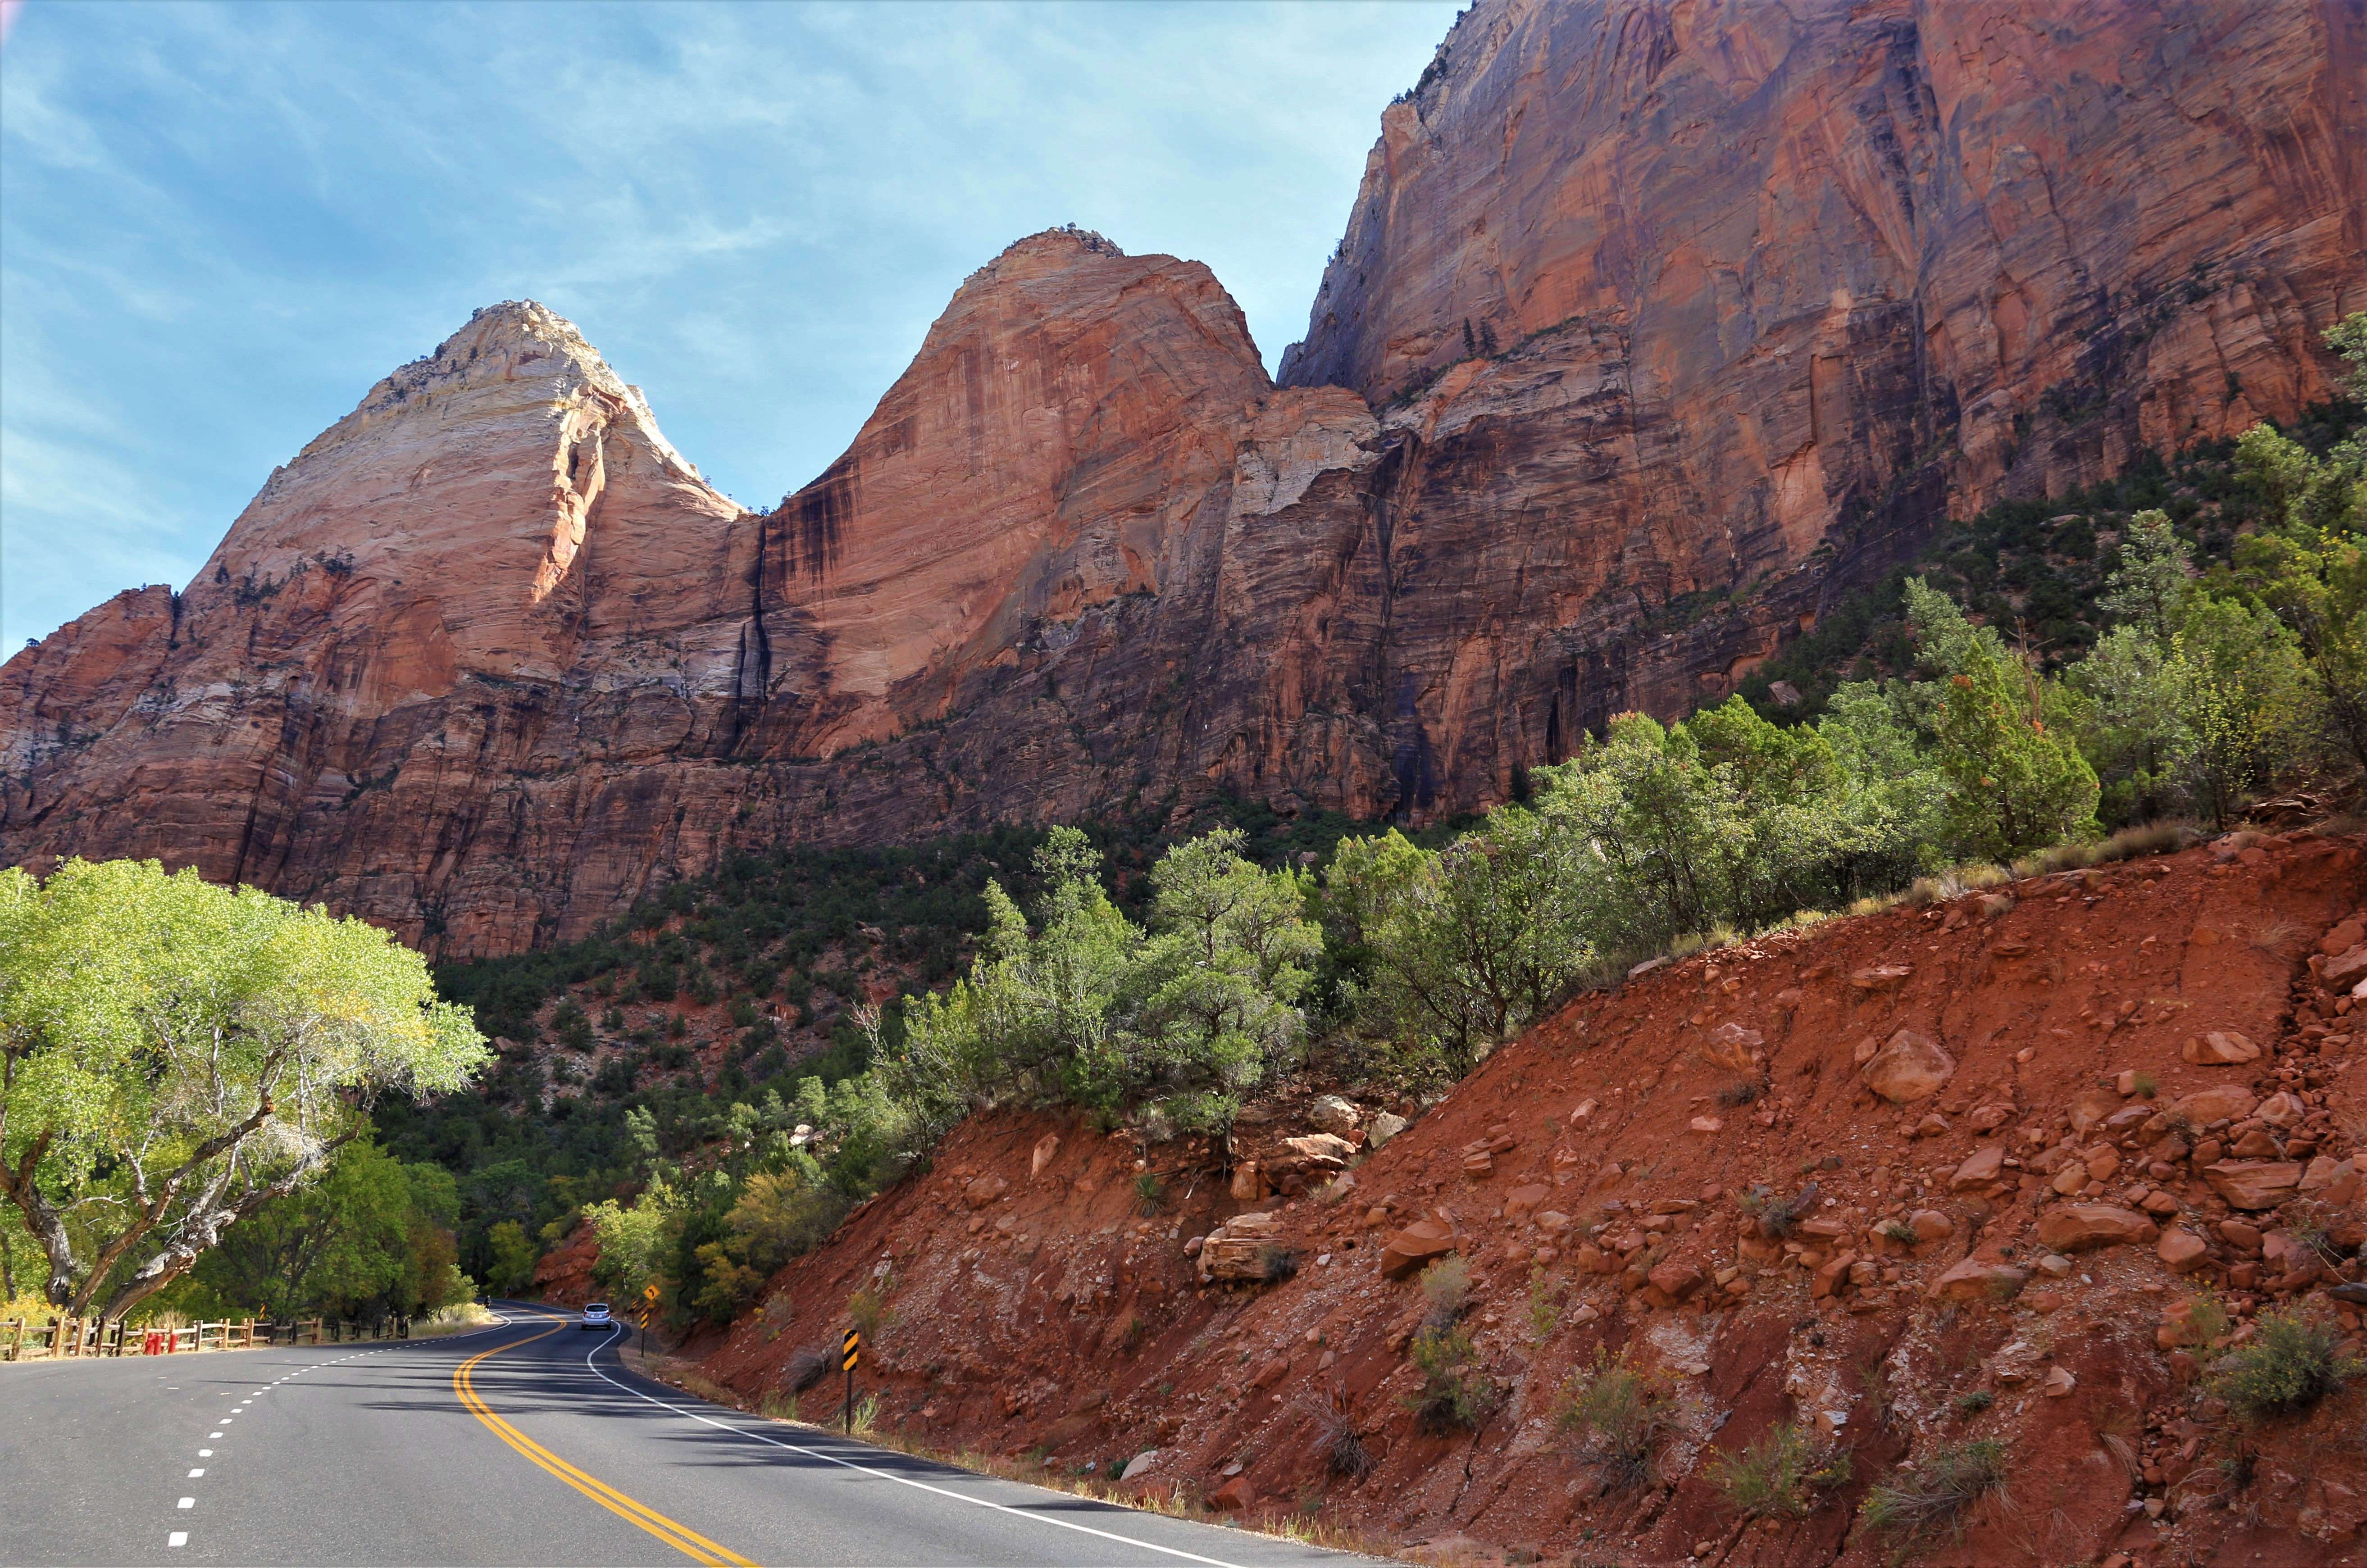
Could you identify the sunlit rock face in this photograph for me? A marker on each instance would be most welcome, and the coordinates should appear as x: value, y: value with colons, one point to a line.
x: 488, y: 658
x: 491, y: 589
x: 1683, y: 316
x: 1655, y: 328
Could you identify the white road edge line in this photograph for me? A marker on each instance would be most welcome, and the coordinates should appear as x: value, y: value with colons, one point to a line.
x: 899, y: 1480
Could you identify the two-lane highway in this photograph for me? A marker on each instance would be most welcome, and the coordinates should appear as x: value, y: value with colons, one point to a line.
x: 527, y: 1443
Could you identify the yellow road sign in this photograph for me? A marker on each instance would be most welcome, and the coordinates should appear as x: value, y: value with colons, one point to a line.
x: 851, y: 1352
x: 648, y: 1293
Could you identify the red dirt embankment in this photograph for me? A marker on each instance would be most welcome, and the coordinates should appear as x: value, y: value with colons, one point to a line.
x: 563, y: 1275
x: 2064, y: 1190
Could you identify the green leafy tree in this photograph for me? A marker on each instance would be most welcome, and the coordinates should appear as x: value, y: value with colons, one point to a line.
x: 175, y: 1056
x: 635, y: 1240
x: 1458, y: 948
x: 2135, y: 724
x: 1232, y: 952
x: 2150, y: 587
x: 514, y: 1257
x: 775, y: 1216
x: 1084, y: 1005
x: 1889, y: 800
x: 2251, y: 703
x: 2016, y: 782
x: 2312, y: 572
x: 1669, y: 829
x: 372, y: 1230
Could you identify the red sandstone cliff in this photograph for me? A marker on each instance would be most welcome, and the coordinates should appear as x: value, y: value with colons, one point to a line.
x: 1670, y: 298
x: 1754, y: 295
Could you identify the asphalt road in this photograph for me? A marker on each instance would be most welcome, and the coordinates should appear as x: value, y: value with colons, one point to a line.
x: 528, y: 1443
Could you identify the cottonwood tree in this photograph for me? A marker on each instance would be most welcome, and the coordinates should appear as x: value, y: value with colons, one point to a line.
x: 173, y: 1055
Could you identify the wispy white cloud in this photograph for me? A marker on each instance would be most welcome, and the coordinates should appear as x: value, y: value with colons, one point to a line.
x: 220, y: 223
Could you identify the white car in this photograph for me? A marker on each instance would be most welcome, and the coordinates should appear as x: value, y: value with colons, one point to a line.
x: 595, y: 1316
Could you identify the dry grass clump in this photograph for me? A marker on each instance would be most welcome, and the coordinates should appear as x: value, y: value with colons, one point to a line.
x: 461, y: 1317
x: 1778, y: 1217
x: 1544, y: 1303
x: 1922, y: 1503
x: 1780, y: 1474
x: 2151, y: 839
x: 1617, y: 1419
x: 867, y: 1307
x: 1690, y: 943
x: 1741, y: 1092
x: 1446, y: 1285
x: 1346, y: 1457
x: 806, y: 1368
x: 2129, y: 843
x: 1276, y: 1263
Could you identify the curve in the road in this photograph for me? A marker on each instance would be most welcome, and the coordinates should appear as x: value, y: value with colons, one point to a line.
x: 357, y: 1457
x: 1032, y: 1516
x: 680, y: 1537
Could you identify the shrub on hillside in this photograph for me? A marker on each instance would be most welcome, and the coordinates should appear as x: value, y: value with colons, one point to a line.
x: 1616, y: 1419
x: 2290, y: 1365
x: 1455, y: 1393
x: 1780, y: 1474
x: 1934, y: 1497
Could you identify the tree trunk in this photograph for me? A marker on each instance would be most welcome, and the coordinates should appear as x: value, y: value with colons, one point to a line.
x: 47, y: 1227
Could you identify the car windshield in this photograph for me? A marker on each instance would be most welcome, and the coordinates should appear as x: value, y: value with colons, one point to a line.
x: 596, y: 1306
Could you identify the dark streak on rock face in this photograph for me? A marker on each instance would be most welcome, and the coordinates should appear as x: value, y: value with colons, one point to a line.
x: 821, y: 510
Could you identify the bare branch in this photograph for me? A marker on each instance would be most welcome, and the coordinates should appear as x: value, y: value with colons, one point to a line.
x: 203, y: 1227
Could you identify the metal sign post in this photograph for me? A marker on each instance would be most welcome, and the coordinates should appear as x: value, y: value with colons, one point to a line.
x: 850, y: 1353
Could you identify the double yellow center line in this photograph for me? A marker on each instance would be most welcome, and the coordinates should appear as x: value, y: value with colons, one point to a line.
x: 683, y: 1538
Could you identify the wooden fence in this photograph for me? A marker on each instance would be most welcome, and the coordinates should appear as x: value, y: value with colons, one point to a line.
x: 23, y: 1340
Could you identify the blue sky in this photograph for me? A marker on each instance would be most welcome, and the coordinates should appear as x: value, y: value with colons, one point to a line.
x: 219, y: 225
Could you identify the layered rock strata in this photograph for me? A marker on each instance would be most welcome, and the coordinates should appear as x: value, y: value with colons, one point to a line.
x: 1655, y: 327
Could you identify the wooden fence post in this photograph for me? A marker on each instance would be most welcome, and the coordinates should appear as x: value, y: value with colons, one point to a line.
x: 15, y: 1336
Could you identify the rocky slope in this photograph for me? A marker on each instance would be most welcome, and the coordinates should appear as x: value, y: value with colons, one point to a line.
x: 1655, y: 327
x: 2030, y: 1126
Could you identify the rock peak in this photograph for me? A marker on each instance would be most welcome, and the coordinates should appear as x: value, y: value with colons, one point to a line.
x: 501, y: 344
x: 521, y: 336
x: 1065, y: 238
x: 1045, y: 252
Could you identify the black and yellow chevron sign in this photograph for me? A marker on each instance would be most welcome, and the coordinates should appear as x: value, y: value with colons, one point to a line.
x: 851, y: 1352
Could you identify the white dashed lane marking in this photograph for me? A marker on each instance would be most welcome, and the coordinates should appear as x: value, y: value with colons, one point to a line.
x: 187, y: 1503
x: 179, y: 1537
